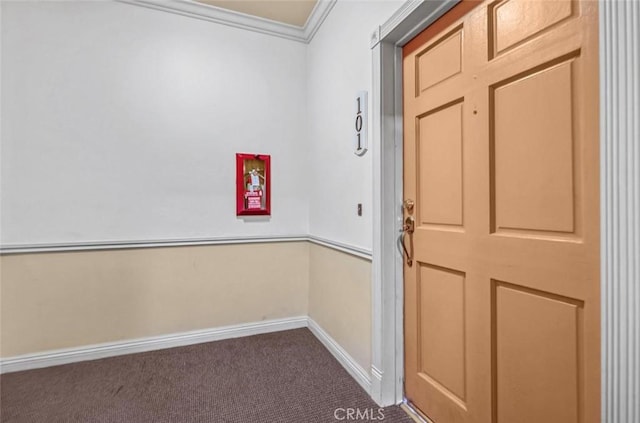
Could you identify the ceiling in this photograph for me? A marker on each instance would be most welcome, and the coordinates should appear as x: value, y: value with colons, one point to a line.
x: 292, y: 12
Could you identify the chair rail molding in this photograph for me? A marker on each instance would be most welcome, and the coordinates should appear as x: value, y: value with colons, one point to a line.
x: 8, y: 249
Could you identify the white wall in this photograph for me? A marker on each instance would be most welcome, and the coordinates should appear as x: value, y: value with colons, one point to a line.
x: 339, y: 65
x: 122, y: 123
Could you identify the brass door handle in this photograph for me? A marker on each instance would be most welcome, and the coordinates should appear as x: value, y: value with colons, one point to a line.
x: 407, y: 229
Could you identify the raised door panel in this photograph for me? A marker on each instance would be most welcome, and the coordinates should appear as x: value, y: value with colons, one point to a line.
x: 439, y: 145
x: 515, y: 21
x: 533, y: 149
x: 442, y: 329
x: 537, y: 356
x: 440, y: 60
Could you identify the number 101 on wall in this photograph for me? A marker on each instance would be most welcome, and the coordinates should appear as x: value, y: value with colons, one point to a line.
x: 360, y: 142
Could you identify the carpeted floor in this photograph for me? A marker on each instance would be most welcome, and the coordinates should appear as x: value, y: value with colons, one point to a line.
x: 286, y: 377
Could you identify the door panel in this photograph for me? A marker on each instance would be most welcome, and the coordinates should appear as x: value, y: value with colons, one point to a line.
x: 501, y: 157
x: 439, y: 145
x: 532, y: 117
x: 514, y: 21
x: 447, y: 52
x: 537, y: 340
x: 442, y: 314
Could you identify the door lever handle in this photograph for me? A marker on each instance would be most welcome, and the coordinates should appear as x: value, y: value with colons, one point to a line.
x: 408, y: 229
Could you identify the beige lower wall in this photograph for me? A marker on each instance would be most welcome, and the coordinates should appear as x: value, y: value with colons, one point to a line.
x: 50, y: 301
x: 60, y: 300
x: 340, y: 300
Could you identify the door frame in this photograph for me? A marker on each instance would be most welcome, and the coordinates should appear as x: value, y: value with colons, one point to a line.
x: 387, y: 354
x: 619, y: 201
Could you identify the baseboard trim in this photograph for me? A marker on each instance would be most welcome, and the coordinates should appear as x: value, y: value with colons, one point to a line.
x: 376, y: 386
x: 113, y: 349
x: 343, y: 357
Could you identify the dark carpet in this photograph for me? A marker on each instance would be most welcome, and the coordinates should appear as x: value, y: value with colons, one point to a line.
x: 282, y: 377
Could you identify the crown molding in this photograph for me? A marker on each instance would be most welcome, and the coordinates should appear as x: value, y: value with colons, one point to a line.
x: 193, y: 9
x: 316, y: 18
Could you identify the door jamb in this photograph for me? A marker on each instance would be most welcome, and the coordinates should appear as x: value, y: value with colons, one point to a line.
x: 387, y: 364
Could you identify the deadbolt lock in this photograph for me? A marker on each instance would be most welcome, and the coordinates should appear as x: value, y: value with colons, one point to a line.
x: 408, y: 205
x: 409, y: 225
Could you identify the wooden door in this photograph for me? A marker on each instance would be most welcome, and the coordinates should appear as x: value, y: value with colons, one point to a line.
x: 502, y: 315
